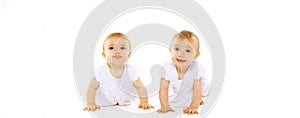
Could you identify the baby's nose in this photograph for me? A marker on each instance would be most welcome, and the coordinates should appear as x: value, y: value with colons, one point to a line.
x: 179, y: 54
x: 116, y: 52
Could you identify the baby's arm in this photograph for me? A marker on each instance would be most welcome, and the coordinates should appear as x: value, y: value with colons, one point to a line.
x: 91, y: 93
x: 197, y: 98
x: 141, y: 90
x: 163, y: 96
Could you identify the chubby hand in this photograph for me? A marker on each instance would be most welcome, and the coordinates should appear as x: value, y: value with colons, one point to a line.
x: 92, y: 107
x: 165, y: 109
x: 190, y: 110
x: 145, y: 106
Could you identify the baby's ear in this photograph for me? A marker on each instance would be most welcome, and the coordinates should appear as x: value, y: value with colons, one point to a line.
x: 103, y: 54
x: 197, y: 54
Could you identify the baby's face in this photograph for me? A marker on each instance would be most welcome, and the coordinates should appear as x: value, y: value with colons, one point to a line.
x: 116, y: 50
x: 183, y: 52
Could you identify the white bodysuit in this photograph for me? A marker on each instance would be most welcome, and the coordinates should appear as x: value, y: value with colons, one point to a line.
x: 116, y: 90
x: 180, y: 92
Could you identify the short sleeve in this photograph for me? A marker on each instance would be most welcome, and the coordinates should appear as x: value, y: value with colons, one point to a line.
x: 166, y: 71
x: 200, y: 71
x: 97, y: 73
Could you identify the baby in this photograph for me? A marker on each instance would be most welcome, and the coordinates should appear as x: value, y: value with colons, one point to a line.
x: 183, y: 84
x: 116, y: 82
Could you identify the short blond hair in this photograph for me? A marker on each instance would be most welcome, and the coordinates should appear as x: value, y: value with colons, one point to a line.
x: 117, y: 35
x: 186, y: 35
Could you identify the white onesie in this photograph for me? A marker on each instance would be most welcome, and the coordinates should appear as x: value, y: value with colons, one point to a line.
x: 181, y: 91
x: 115, y: 90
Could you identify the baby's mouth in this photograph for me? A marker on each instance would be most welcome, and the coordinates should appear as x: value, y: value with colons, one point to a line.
x: 117, y: 56
x: 180, y: 60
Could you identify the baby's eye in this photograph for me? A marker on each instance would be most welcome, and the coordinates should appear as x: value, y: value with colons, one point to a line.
x: 177, y: 49
x: 188, y: 50
x: 111, y: 48
x: 123, y: 48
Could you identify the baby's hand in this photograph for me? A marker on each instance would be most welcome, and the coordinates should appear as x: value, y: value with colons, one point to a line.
x: 145, y: 106
x: 92, y: 107
x: 165, y: 109
x: 190, y: 110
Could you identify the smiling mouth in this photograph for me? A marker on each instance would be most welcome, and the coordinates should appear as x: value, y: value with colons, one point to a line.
x: 117, y: 57
x: 181, y: 60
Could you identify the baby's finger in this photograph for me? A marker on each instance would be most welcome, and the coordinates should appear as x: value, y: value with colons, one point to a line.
x: 146, y: 107
x: 172, y: 110
x: 192, y: 112
x: 151, y: 106
x: 161, y: 111
x: 94, y: 108
x: 141, y: 106
x: 84, y: 108
x: 184, y: 111
x: 98, y: 107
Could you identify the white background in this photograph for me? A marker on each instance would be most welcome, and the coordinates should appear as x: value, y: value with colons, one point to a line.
x: 261, y: 39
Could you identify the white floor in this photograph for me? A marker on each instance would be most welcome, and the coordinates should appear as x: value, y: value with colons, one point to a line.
x: 135, y: 112
x: 132, y: 111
